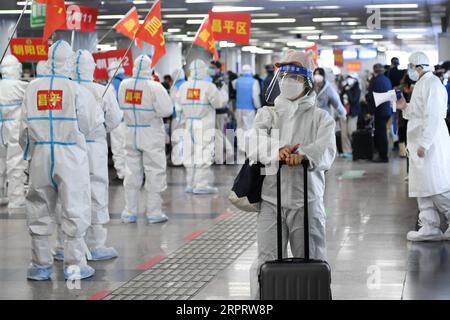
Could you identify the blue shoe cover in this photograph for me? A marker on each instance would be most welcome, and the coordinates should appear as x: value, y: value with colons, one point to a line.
x: 78, y: 273
x: 39, y: 273
x: 129, y: 219
x: 205, y: 190
x: 157, y: 219
x: 104, y: 254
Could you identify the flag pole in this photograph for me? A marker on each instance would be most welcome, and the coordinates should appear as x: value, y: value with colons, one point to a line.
x: 105, y: 35
x: 14, y: 30
x: 126, y: 52
x: 72, y: 40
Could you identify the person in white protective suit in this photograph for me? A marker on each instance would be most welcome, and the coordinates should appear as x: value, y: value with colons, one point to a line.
x: 199, y: 99
x: 97, y: 149
x: 41, y: 69
x: 305, y: 131
x: 429, y: 149
x: 145, y: 103
x: 118, y: 134
x: 56, y: 116
x: 177, y: 122
x: 12, y: 165
x: 247, y: 98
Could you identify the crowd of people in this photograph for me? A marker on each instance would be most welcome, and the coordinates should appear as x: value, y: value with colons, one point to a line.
x: 55, y: 129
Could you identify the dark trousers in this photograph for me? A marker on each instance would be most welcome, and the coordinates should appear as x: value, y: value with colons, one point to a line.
x: 381, y: 139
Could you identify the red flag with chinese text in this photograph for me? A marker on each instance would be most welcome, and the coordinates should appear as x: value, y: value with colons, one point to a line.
x: 129, y: 25
x: 234, y: 27
x: 205, y: 38
x: 55, y: 17
x: 314, y: 49
x: 151, y: 31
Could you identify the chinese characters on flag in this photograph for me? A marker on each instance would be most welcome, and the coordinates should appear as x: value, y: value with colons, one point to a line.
x: 205, y: 38
x: 152, y: 32
x: 29, y: 49
x: 338, y: 57
x: 234, y: 27
x: 314, y: 49
x: 49, y: 100
x: 129, y: 25
x: 55, y: 17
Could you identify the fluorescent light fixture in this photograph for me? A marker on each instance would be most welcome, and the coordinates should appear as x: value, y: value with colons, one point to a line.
x: 265, y: 15
x: 174, y: 9
x: 184, y: 16
x: 409, y: 36
x: 393, y: 6
x: 351, y: 23
x: 366, y: 36
x: 313, y: 37
x: 343, y: 43
x: 139, y: 2
x: 14, y: 11
x: 329, y: 37
x: 305, y: 31
x: 366, y: 41
x: 327, y: 7
x: 226, y: 44
x: 409, y: 30
x: 235, y: 9
x: 173, y: 30
x: 275, y: 20
x: 110, y: 16
x: 301, y: 44
x: 329, y: 19
x: 194, y: 21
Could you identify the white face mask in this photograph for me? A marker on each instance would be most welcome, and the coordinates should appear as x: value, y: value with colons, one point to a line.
x: 291, y: 89
x: 318, y: 78
x: 413, y: 74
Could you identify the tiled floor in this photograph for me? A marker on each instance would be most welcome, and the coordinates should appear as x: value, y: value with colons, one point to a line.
x: 205, y: 250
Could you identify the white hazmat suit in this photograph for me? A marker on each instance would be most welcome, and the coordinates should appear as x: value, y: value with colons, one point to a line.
x: 56, y: 116
x: 299, y: 122
x: 198, y: 100
x: 12, y: 165
x: 429, y: 177
x: 145, y: 103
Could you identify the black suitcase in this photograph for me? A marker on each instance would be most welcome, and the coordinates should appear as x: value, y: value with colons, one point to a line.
x: 362, y: 144
x: 295, y: 278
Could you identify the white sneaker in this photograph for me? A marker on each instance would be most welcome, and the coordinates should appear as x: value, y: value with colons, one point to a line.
x: 426, y: 233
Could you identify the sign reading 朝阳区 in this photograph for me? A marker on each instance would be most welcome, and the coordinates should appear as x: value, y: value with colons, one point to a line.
x: 29, y: 49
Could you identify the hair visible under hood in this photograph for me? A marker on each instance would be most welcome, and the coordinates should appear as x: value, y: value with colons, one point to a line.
x: 142, y: 67
x: 11, y: 68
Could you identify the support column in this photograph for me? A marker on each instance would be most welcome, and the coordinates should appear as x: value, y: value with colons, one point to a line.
x: 6, y: 28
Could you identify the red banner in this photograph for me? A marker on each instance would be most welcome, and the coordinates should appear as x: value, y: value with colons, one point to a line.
x: 29, y: 49
x: 81, y: 18
x: 234, y: 27
x: 338, y: 57
x: 205, y: 38
x: 104, y: 59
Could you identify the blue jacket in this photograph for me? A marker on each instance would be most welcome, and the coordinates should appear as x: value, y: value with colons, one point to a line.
x: 117, y: 81
x: 244, y: 92
x: 381, y: 84
x: 354, y: 97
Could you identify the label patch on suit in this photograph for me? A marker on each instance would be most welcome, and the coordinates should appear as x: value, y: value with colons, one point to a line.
x: 133, y: 96
x: 193, y: 94
x: 49, y: 100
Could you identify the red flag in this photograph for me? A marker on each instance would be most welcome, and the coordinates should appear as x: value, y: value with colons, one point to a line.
x: 55, y: 17
x: 205, y: 38
x: 129, y: 25
x: 152, y: 32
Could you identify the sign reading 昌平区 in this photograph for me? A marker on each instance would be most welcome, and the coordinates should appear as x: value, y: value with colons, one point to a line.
x: 104, y: 59
x: 234, y: 27
x: 29, y: 49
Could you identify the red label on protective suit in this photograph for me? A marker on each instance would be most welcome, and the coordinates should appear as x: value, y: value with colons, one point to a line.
x: 49, y: 100
x: 193, y: 94
x: 133, y: 96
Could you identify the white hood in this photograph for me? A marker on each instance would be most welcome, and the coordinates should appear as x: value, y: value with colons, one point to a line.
x: 11, y: 68
x: 60, y: 59
x: 42, y: 69
x: 198, y: 69
x: 142, y: 67
x: 84, y: 66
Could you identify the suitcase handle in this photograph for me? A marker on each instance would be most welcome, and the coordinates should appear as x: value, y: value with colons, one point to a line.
x: 305, y: 164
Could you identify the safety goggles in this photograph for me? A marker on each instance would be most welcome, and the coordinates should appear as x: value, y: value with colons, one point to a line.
x: 413, y: 66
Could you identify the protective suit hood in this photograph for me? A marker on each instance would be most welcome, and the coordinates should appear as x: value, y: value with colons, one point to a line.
x: 11, y: 68
x: 60, y: 59
x: 42, y: 69
x: 420, y: 58
x: 199, y: 69
x: 142, y: 67
x: 84, y: 66
x: 178, y: 75
x: 246, y: 69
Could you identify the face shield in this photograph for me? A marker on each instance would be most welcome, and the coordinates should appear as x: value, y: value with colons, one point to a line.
x: 290, y: 81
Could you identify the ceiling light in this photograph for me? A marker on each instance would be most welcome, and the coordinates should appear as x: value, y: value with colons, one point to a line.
x: 329, y: 19
x: 110, y: 16
x: 174, y: 9
x: 343, y: 43
x: 14, y: 11
x: 366, y: 41
x: 366, y: 36
x: 275, y: 20
x: 327, y: 7
x: 351, y: 23
x: 393, y: 6
x: 418, y: 30
x: 301, y: 44
x: 180, y: 16
x: 194, y: 21
x: 305, y: 31
x: 173, y: 30
x: 410, y: 36
x: 313, y: 37
x: 329, y: 37
x: 235, y: 9
x: 265, y: 14
x: 139, y: 1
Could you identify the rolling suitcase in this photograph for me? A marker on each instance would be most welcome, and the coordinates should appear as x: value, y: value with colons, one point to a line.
x: 362, y: 144
x: 294, y: 278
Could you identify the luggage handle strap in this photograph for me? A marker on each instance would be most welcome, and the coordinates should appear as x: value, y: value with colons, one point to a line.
x: 305, y: 164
